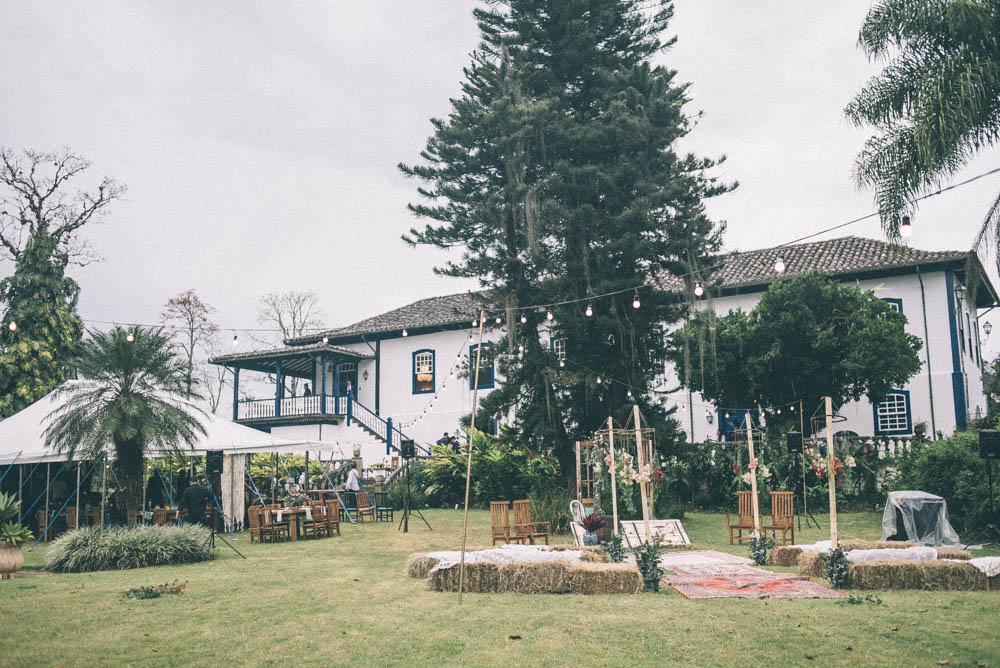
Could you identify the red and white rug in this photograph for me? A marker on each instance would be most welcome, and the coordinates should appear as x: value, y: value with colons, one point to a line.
x: 710, y: 574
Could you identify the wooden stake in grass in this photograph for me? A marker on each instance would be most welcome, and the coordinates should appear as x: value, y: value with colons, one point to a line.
x: 640, y: 453
x: 468, y: 461
x: 830, y: 474
x: 753, y: 477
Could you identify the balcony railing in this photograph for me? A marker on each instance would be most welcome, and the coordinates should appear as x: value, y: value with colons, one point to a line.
x: 262, y: 409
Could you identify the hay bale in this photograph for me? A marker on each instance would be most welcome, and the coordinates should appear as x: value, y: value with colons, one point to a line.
x: 855, y: 544
x: 587, y: 553
x: 953, y: 553
x: 785, y: 555
x: 543, y: 577
x: 925, y: 575
x: 810, y: 564
x: 419, y: 565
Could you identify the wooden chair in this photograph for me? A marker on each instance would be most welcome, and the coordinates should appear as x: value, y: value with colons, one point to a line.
x: 332, y: 516
x: 318, y: 525
x: 254, y: 520
x: 744, y: 517
x: 364, y: 507
x: 383, y: 510
x: 71, y: 518
x: 782, y: 516
x: 500, y: 522
x: 270, y: 528
x: 524, y: 527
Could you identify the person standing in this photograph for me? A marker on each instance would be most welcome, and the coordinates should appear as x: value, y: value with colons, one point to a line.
x: 193, y: 500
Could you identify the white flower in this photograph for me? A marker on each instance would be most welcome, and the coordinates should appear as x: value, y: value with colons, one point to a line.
x: 764, y: 471
x: 850, y: 461
x: 748, y: 477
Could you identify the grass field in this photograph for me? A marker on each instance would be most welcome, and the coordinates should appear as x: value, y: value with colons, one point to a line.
x: 346, y: 601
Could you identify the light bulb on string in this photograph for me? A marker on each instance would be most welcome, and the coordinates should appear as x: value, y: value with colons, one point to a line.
x: 635, y: 300
x: 130, y: 337
x: 12, y: 326
x: 779, y: 265
x: 405, y: 333
x: 792, y: 408
x: 498, y: 320
x: 699, y: 290
x: 905, y: 228
x: 326, y: 340
x: 562, y: 364
x: 629, y: 394
x: 236, y: 340
x: 779, y: 411
x: 589, y: 311
x: 548, y: 315
x: 520, y: 349
x: 598, y: 380
x: 524, y: 318
x: 475, y: 323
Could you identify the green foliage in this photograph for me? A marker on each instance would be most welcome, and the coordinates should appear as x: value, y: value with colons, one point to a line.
x: 836, y: 568
x: 615, y: 548
x: 759, y: 545
x: 952, y: 469
x: 934, y: 105
x: 133, y: 395
x: 551, y: 504
x: 807, y: 338
x: 557, y: 175
x: 106, y: 548
x: 10, y: 531
x: 155, y: 591
x: 418, y: 483
x: 647, y: 558
x: 500, y: 471
x: 9, y: 505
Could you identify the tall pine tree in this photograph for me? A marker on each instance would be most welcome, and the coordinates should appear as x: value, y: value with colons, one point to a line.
x: 555, y: 172
x: 39, y: 230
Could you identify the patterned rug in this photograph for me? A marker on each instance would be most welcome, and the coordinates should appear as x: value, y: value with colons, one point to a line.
x: 710, y: 574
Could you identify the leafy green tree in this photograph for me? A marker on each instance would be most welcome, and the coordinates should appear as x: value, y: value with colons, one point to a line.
x: 937, y: 101
x: 132, y: 396
x: 807, y: 338
x: 556, y: 174
x: 39, y: 231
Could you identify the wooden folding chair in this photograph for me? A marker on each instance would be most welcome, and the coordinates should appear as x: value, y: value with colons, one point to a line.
x: 332, y: 516
x: 364, y: 507
x: 500, y: 522
x: 318, y: 525
x: 782, y: 516
x: 524, y: 528
x: 744, y: 515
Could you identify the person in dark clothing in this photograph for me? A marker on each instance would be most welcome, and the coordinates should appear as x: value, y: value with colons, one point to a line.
x: 194, y: 499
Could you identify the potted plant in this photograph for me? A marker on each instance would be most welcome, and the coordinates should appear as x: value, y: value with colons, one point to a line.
x: 591, y: 523
x: 12, y: 535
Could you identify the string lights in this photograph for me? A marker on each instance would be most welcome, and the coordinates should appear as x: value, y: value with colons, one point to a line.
x: 635, y: 300
x: 905, y: 228
x: 130, y: 337
x: 699, y: 289
x: 590, y: 311
x: 12, y: 326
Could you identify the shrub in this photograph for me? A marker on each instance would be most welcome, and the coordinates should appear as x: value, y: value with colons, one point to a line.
x: 759, y: 545
x: 107, y: 548
x: 615, y: 549
x: 647, y: 558
x: 552, y: 505
x: 836, y: 568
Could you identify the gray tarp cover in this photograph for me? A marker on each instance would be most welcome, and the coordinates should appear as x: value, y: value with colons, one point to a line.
x: 924, y: 516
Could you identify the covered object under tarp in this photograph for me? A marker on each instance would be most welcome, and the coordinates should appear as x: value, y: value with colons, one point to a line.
x: 918, y: 517
x: 22, y: 437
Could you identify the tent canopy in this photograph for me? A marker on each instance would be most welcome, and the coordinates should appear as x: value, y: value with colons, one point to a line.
x: 22, y: 437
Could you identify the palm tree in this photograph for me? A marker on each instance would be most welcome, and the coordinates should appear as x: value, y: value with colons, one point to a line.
x: 133, y: 395
x: 934, y: 105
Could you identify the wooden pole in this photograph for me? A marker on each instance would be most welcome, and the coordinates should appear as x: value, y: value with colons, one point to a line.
x: 104, y: 488
x: 579, y: 482
x: 802, y: 456
x: 614, y: 484
x: 753, y: 477
x: 830, y: 475
x: 20, y: 484
x: 468, y: 459
x: 640, y: 453
x: 48, y: 469
x: 76, y: 520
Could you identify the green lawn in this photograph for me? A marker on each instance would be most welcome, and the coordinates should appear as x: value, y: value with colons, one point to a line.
x: 346, y: 601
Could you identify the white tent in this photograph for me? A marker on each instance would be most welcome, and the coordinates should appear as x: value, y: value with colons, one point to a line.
x: 22, y: 437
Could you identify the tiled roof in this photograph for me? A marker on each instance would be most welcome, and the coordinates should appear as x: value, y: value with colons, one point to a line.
x: 846, y: 255
x: 431, y: 312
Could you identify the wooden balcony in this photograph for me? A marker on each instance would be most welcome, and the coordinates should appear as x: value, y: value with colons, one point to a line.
x: 290, y: 410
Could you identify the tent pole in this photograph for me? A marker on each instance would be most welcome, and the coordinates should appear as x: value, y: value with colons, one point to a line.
x: 307, y: 471
x: 468, y: 461
x: 76, y: 520
x: 274, y: 478
x: 145, y: 482
x: 104, y: 489
x: 20, y: 483
x: 48, y: 469
x: 614, y: 485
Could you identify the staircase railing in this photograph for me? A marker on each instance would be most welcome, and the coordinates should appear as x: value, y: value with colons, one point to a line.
x: 382, y: 429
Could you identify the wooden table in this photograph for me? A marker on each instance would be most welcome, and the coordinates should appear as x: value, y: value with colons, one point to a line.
x: 292, y: 515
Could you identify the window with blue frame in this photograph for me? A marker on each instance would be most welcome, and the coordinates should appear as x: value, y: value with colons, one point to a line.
x: 892, y: 415
x: 423, y: 371
x: 485, y: 368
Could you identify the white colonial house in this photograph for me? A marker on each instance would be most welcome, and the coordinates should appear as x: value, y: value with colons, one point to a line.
x: 397, y: 375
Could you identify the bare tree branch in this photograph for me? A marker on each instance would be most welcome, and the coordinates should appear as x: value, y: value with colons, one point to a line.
x: 188, y: 321
x: 293, y: 313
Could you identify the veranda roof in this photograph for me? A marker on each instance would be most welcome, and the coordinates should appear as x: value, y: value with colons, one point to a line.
x: 297, y: 361
x: 22, y: 437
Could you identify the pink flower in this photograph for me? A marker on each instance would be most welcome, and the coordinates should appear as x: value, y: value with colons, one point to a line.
x: 607, y: 460
x: 753, y: 464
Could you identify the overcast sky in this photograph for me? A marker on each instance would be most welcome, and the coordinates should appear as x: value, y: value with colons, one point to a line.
x: 259, y: 141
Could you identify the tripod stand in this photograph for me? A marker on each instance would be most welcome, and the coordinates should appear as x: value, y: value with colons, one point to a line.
x: 990, y: 533
x: 210, y: 541
x: 404, y: 521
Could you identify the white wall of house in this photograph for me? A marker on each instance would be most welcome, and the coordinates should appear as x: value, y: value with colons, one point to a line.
x: 954, y: 373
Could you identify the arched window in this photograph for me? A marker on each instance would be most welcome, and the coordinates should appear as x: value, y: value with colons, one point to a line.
x: 423, y: 371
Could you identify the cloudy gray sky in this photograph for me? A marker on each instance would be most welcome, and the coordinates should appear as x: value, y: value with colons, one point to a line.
x: 259, y: 141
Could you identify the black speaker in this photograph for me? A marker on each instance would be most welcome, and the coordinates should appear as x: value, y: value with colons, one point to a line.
x: 407, y: 448
x: 213, y: 461
x: 989, y: 444
x: 794, y: 440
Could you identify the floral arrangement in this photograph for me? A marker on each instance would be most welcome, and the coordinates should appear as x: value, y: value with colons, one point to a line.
x: 296, y: 499
x: 592, y: 523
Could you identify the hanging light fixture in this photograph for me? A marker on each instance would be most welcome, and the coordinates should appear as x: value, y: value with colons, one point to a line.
x: 520, y: 349
x: 13, y: 327
x: 524, y: 318
x: 598, y: 380
x: 475, y: 323
x: 779, y: 265
x: 699, y: 290
x: 405, y: 333
x: 326, y: 340
x: 779, y: 411
x: 236, y: 340
x: 792, y: 408
x: 548, y: 315
x: 589, y: 311
x: 562, y: 364
x: 987, y: 328
x: 130, y: 337
x: 498, y: 320
x: 629, y: 394
x: 905, y: 228
x: 635, y: 300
